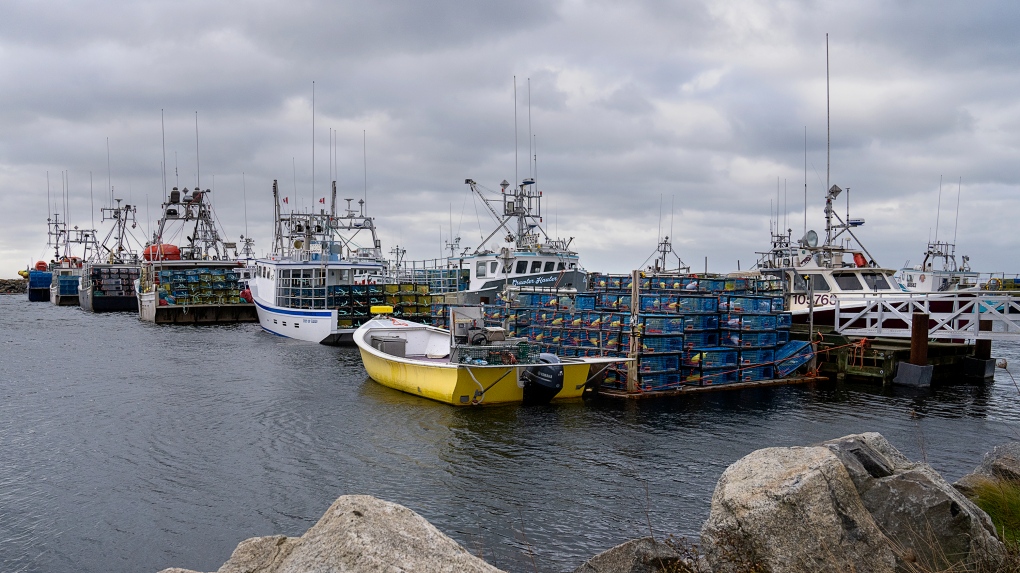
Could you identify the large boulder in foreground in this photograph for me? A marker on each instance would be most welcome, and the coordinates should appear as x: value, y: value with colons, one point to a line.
x: 357, y: 534
x: 855, y: 503
x: 1000, y: 464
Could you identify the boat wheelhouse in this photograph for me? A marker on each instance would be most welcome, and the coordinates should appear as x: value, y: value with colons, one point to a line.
x: 324, y: 273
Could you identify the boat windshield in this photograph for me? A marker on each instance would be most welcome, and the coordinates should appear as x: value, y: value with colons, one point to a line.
x: 876, y: 281
x: 848, y: 282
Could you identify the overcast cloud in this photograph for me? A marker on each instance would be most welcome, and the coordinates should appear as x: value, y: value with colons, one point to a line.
x: 634, y: 107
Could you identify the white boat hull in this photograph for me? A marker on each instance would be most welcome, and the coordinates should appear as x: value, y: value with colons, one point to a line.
x: 300, y: 324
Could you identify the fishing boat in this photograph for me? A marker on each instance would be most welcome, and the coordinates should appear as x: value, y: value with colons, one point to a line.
x: 469, y: 365
x: 66, y: 266
x: 39, y: 279
x: 814, y: 276
x: 196, y: 282
x: 526, y: 258
x: 939, y: 272
x: 324, y: 273
x: 107, y: 280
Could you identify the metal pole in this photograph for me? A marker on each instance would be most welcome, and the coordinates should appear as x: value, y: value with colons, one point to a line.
x: 919, y: 339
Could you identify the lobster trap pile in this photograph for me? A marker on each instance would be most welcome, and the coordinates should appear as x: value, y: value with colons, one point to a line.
x: 113, y: 280
x: 197, y: 286
x: 683, y: 330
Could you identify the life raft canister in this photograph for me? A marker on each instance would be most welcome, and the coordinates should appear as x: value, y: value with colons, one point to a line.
x: 860, y: 261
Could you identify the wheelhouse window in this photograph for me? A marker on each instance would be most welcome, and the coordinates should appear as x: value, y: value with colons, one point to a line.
x: 875, y: 281
x: 818, y: 283
x: 549, y: 266
x: 536, y: 266
x: 480, y: 269
x: 522, y: 267
x: 848, y: 282
x: 492, y: 267
x: 559, y: 266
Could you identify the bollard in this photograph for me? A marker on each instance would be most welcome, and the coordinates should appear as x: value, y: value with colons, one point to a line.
x: 919, y: 339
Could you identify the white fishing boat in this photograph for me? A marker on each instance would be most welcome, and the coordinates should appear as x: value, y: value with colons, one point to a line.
x: 324, y: 273
x: 196, y: 282
x: 481, y: 366
x: 526, y: 257
x: 814, y: 276
x: 939, y: 272
x: 107, y: 280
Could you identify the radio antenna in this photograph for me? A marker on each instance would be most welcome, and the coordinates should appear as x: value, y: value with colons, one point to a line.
x: 198, y: 164
x: 313, y: 145
x: 938, y: 210
x: 957, y: 223
x: 516, y: 180
x: 828, y: 125
x: 162, y: 128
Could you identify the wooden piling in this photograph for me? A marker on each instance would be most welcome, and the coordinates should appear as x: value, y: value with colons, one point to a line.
x: 919, y: 339
x: 983, y: 348
x: 635, y: 337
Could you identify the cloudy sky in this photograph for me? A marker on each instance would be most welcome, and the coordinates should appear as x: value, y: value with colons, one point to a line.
x: 647, y: 117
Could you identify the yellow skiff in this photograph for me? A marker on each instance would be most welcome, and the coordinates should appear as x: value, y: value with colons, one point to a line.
x: 420, y: 359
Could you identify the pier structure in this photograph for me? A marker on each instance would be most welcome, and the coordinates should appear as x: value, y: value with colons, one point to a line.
x: 873, y: 335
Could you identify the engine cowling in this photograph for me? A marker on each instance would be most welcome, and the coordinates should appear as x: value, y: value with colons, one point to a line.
x: 543, y: 381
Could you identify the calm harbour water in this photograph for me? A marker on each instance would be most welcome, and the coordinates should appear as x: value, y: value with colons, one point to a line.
x: 130, y: 447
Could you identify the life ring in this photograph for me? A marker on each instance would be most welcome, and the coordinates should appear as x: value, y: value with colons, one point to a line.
x: 993, y: 284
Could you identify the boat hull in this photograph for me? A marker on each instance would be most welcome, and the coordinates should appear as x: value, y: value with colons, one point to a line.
x: 460, y: 384
x: 88, y: 300
x: 489, y: 291
x: 308, y: 325
x: 149, y: 310
x: 63, y: 299
x: 39, y: 294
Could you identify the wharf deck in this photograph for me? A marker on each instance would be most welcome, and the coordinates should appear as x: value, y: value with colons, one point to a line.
x: 685, y: 390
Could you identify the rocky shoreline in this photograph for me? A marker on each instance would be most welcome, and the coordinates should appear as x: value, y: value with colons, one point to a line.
x: 850, y: 504
x: 13, y: 286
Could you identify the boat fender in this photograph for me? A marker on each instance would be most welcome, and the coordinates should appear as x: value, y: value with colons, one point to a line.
x: 543, y: 381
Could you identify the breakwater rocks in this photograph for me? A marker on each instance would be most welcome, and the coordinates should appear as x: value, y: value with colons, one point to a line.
x: 850, y: 504
x: 13, y: 286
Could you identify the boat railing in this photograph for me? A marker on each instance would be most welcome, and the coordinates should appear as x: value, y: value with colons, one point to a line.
x: 511, y: 353
x: 952, y: 315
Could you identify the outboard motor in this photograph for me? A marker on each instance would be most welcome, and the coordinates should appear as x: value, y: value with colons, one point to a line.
x: 542, y: 383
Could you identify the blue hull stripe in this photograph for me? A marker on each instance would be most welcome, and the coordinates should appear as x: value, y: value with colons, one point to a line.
x: 316, y: 313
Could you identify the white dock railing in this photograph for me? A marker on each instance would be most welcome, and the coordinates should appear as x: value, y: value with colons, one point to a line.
x: 951, y: 315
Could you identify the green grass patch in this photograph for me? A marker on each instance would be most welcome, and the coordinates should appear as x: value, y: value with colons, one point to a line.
x: 1001, y: 501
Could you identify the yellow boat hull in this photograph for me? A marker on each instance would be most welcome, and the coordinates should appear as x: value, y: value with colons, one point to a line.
x: 462, y: 385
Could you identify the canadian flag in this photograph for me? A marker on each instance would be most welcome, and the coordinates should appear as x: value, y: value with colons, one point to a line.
x: 322, y: 200
x: 284, y: 199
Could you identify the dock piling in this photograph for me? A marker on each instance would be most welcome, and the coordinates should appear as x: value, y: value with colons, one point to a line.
x: 919, y: 339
